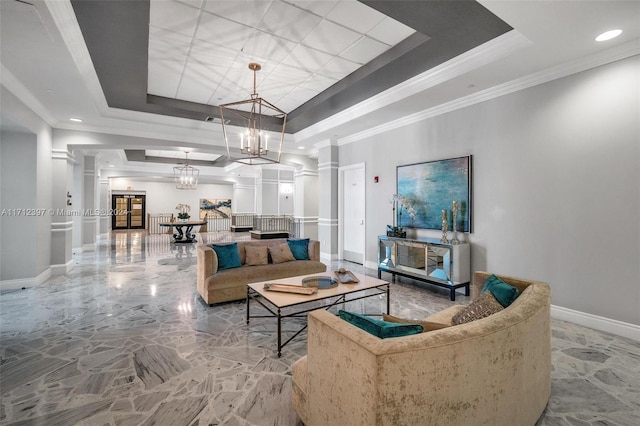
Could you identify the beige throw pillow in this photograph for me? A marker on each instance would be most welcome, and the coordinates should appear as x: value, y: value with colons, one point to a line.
x: 482, y: 307
x: 281, y: 253
x: 256, y: 255
x: 426, y: 325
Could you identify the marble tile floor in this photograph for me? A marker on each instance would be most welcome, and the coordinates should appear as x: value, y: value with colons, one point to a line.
x: 124, y: 339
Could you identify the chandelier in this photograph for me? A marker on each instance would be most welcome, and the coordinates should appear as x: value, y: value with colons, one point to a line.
x: 186, y: 177
x: 255, y: 117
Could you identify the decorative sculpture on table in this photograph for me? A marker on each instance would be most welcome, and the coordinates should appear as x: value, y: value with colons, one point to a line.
x: 401, y: 202
x: 445, y: 227
x: 454, y: 212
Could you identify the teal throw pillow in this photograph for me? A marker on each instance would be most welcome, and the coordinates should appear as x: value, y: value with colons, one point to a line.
x: 299, y: 248
x: 228, y: 255
x: 379, y: 328
x: 504, y: 293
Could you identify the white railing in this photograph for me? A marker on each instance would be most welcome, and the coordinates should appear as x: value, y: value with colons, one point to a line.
x: 242, y: 220
x: 155, y: 219
x: 217, y: 224
x: 272, y: 223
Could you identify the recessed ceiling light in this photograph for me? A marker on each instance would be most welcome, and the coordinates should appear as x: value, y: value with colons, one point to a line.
x: 77, y: 120
x: 301, y: 147
x: 608, y: 35
x: 111, y: 165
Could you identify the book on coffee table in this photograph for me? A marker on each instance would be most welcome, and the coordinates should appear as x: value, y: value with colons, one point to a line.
x: 289, y: 288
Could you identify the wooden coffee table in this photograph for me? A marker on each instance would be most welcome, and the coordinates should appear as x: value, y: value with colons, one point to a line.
x: 297, y: 305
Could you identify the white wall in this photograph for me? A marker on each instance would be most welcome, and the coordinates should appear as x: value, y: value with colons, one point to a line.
x: 77, y: 201
x: 18, y: 245
x: 40, y: 170
x: 555, y: 184
x: 244, y: 196
x: 163, y: 197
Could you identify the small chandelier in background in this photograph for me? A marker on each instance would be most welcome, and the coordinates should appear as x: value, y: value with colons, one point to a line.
x: 186, y: 177
x: 256, y: 116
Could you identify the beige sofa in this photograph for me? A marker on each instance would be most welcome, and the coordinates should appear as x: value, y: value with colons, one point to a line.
x: 493, y: 371
x: 231, y: 284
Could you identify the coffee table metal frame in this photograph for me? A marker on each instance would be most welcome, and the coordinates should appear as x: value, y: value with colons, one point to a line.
x: 276, y: 311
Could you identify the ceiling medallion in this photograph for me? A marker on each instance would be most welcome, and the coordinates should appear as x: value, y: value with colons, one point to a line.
x: 254, y: 121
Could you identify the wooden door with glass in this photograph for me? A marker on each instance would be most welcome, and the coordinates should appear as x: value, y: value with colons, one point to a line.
x: 128, y: 212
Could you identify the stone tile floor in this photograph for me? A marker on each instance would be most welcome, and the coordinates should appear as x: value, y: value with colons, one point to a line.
x: 124, y: 339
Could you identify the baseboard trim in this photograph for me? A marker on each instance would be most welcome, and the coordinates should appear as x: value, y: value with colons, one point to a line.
x: 371, y: 265
x: 328, y: 256
x: 608, y: 325
x: 62, y: 268
x: 619, y: 328
x: 89, y: 247
x: 25, y: 282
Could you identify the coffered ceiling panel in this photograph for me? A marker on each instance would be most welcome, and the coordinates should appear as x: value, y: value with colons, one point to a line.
x: 356, y: 16
x: 246, y: 12
x: 288, y: 21
x: 293, y: 41
x: 318, y: 57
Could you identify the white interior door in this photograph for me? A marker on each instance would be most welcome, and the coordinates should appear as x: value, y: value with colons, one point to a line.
x: 353, y: 208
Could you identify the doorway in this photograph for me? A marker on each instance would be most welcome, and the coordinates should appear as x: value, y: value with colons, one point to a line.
x: 128, y: 211
x: 352, y: 213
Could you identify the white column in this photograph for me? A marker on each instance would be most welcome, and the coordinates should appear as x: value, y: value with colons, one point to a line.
x: 267, y: 192
x: 89, y: 211
x: 104, y: 225
x: 61, y: 221
x: 306, y: 202
x: 244, y: 196
x: 328, y: 199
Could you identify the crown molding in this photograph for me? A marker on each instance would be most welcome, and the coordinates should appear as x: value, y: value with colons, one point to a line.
x: 63, y: 154
x: 491, y: 51
x: 13, y: 85
x: 67, y: 24
x: 573, y: 67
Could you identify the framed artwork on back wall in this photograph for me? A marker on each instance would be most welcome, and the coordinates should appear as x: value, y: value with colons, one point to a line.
x: 215, y: 208
x: 429, y: 188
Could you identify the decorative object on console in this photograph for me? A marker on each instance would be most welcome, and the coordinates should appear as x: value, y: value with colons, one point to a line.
x: 445, y: 227
x: 394, y: 231
x: 454, y: 213
x: 399, y: 202
x: 186, y: 177
x: 255, y: 116
x: 429, y: 188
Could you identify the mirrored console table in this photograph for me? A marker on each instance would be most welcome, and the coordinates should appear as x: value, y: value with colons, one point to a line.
x: 426, y: 259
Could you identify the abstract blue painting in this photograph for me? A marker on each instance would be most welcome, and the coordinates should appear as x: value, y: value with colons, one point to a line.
x: 431, y: 187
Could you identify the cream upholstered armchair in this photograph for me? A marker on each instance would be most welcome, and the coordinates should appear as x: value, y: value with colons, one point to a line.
x: 493, y: 371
